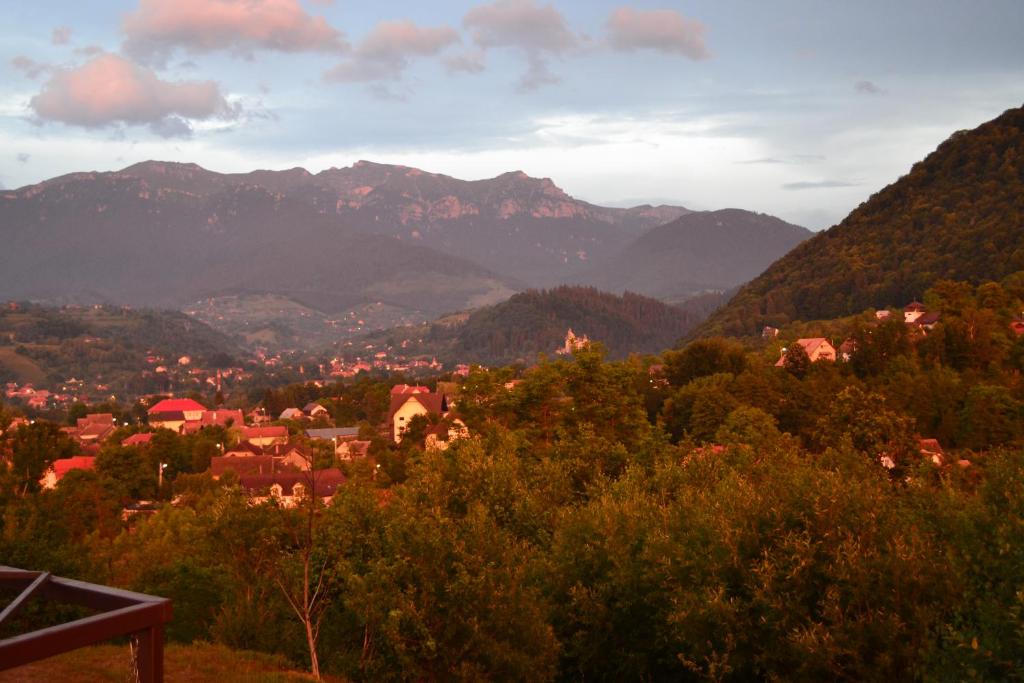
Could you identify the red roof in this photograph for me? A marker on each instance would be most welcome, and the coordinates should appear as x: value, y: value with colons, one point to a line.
x: 138, y: 439
x: 265, y: 432
x: 78, y: 462
x: 399, y: 389
x: 174, y: 405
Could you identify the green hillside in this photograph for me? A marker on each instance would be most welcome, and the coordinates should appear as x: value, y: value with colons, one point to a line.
x: 49, y: 344
x: 959, y: 214
x: 536, y: 322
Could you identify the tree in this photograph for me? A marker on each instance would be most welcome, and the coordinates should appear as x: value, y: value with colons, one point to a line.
x: 34, y: 447
x: 796, y: 361
x: 704, y: 357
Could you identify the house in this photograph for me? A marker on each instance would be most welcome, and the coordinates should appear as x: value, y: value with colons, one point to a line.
x: 258, y: 416
x: 265, y: 436
x: 333, y: 434
x: 847, y: 349
x: 931, y: 450
x: 349, y: 450
x: 927, y: 321
x: 93, y: 428
x: 404, y: 407
x: 1017, y: 325
x: 882, y: 315
x: 441, y: 435
x: 291, y: 414
x: 817, y: 348
x: 315, y: 411
x: 254, y: 464
x: 409, y: 389
x: 290, y: 488
x: 173, y: 413
x: 61, y: 467
x: 913, y: 311
x: 215, y: 418
x: 142, y: 439
x: 769, y: 332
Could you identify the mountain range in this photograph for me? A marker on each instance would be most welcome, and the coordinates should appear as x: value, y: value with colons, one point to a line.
x: 957, y: 215
x: 394, y: 238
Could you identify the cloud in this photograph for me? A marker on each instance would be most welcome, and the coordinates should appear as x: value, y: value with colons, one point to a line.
x: 663, y: 30
x: 817, y: 184
x: 387, y: 50
x: 791, y: 159
x: 110, y: 90
x: 470, y: 62
x: 61, y: 35
x: 23, y: 157
x: 538, y: 31
x: 30, y: 67
x: 763, y: 160
x: 868, y: 88
x: 158, y: 27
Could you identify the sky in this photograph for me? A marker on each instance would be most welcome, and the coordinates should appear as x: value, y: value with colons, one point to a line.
x: 797, y: 108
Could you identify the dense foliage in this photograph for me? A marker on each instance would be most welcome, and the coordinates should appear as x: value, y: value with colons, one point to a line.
x: 959, y: 214
x: 536, y: 321
x: 700, y: 516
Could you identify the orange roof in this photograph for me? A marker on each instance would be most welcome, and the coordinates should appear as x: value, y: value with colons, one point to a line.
x: 138, y: 439
x: 78, y: 462
x: 265, y: 432
x: 174, y: 405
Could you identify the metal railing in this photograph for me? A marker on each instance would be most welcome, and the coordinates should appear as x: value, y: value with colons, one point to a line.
x: 121, y: 613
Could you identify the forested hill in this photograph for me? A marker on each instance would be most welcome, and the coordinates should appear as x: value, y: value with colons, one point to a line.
x: 536, y: 321
x: 959, y: 214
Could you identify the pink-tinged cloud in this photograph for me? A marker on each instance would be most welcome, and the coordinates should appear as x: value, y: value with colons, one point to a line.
x: 387, y: 50
x: 663, y: 30
x: 539, y: 31
x: 158, y: 27
x: 520, y: 23
x: 109, y: 90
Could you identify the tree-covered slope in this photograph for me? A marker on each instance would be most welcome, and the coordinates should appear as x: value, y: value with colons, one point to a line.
x: 536, y: 322
x: 959, y: 214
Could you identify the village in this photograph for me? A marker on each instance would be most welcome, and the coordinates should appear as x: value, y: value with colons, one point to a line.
x: 301, y: 451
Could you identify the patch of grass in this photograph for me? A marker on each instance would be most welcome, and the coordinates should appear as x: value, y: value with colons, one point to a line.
x: 182, y: 663
x: 24, y: 369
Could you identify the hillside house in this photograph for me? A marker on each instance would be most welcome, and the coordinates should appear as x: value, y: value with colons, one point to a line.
x: 93, y: 428
x: 256, y: 464
x: 315, y: 411
x: 1017, y: 325
x: 61, y: 467
x: 291, y: 414
x: 817, y: 348
x: 349, y: 450
x: 404, y: 407
x: 142, y: 439
x: 441, y: 435
x: 291, y: 488
x: 913, y: 311
x: 173, y: 413
x: 265, y: 436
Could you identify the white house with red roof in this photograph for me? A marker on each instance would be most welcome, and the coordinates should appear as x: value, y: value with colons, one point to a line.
x: 61, y: 467
x: 404, y: 407
x: 817, y: 348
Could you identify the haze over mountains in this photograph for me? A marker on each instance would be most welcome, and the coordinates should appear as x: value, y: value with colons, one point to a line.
x: 414, y: 243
